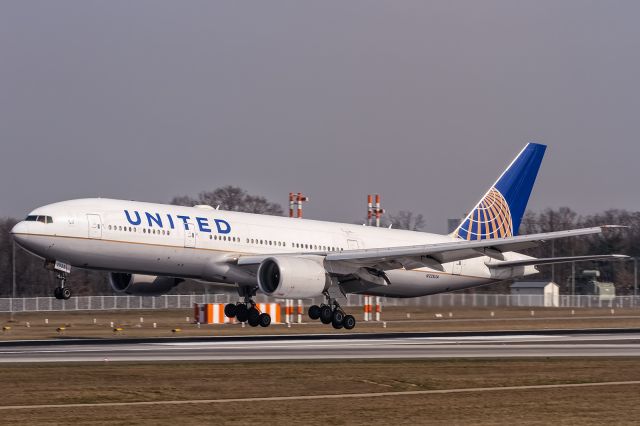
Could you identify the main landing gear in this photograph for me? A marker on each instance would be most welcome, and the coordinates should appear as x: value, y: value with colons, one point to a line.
x: 332, y: 313
x: 247, y: 311
x: 61, y: 292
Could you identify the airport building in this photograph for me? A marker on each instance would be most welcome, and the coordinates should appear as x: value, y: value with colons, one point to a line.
x: 536, y: 293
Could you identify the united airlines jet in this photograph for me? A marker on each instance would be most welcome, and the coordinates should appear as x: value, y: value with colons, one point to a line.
x: 148, y: 249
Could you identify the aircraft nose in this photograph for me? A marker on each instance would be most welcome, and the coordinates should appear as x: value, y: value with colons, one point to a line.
x: 19, y: 231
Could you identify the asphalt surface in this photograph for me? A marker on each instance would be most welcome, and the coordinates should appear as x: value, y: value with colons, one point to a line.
x: 544, y: 343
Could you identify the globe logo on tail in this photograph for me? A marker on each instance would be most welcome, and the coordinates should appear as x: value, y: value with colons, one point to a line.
x: 490, y: 219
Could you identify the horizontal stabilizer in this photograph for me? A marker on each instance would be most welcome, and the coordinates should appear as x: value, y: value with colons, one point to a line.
x: 550, y: 260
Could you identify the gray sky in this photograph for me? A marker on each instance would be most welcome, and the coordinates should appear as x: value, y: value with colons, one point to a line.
x: 424, y: 102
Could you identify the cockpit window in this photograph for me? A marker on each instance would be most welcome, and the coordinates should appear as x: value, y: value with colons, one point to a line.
x: 43, y: 219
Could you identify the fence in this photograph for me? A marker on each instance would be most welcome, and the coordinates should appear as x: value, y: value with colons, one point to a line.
x: 97, y: 303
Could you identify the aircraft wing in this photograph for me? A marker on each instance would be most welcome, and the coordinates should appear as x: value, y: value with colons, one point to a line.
x: 434, y: 255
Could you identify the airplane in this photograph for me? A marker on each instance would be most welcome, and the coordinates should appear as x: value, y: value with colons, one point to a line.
x: 148, y: 249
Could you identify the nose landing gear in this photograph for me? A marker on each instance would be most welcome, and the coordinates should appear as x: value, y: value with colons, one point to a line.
x: 332, y: 313
x: 61, y: 292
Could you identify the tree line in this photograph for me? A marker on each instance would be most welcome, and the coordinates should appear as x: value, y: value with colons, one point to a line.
x: 33, y: 280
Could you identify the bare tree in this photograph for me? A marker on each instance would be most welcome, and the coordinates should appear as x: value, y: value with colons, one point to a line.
x: 231, y: 198
x: 405, y: 219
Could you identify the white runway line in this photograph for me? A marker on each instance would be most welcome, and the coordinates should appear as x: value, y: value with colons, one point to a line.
x: 315, y: 397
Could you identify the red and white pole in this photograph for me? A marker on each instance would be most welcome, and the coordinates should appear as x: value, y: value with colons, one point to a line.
x: 367, y: 308
x: 291, y: 204
x: 378, y: 210
x: 300, y: 310
x: 299, y: 204
x: 378, y: 308
x: 369, y: 210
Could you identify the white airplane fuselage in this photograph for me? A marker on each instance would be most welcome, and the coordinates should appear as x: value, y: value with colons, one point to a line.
x: 202, y: 243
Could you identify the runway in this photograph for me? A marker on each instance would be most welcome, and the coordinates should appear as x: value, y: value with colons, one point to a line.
x: 592, y: 343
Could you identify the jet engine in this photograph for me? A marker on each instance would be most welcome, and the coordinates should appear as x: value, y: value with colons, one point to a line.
x: 292, y: 277
x: 141, y: 285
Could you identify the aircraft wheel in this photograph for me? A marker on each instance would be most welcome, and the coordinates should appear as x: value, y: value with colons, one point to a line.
x: 349, y: 322
x: 264, y: 320
x: 314, y: 312
x: 65, y: 293
x: 337, y: 316
x: 56, y: 293
x: 253, y: 321
x: 326, y: 314
x: 230, y: 310
x: 242, y: 313
x: 254, y: 314
x: 337, y: 324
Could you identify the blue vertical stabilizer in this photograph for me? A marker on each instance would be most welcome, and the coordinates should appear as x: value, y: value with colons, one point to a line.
x: 499, y: 213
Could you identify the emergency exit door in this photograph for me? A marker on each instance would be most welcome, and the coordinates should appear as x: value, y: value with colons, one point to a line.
x: 95, y: 226
x: 189, y: 235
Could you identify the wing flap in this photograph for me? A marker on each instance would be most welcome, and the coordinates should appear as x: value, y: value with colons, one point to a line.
x: 550, y: 260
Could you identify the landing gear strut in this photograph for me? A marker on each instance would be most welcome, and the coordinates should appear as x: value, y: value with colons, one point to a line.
x: 61, y: 292
x: 247, y: 311
x: 332, y: 313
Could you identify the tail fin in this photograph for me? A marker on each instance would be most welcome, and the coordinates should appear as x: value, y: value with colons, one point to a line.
x: 499, y: 213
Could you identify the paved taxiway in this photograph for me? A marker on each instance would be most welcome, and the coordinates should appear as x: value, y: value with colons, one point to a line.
x: 323, y: 347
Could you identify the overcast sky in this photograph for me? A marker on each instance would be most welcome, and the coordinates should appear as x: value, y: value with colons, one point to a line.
x: 424, y: 102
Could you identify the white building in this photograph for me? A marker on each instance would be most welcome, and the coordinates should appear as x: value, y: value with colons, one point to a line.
x: 535, y: 293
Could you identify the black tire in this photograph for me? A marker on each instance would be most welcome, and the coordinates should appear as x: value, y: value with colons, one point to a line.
x: 254, y: 314
x: 337, y: 316
x: 242, y: 313
x: 264, y: 320
x: 253, y: 321
x: 56, y: 293
x: 65, y: 293
x: 230, y: 310
x: 349, y: 322
x: 314, y: 312
x: 326, y: 314
x: 337, y: 324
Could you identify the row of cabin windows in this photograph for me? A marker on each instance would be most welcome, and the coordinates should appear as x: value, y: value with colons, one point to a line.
x: 224, y: 238
x: 133, y: 229
x: 232, y: 239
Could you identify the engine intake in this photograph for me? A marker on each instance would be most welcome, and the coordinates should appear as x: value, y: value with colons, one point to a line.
x: 292, y: 277
x: 141, y: 285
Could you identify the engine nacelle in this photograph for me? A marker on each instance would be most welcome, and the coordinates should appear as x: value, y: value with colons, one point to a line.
x: 141, y: 285
x: 292, y: 277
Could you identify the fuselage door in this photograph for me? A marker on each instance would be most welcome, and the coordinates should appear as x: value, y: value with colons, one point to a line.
x: 95, y: 226
x: 189, y: 235
x: 353, y: 244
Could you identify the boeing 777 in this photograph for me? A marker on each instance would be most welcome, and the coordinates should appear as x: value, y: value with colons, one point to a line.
x: 148, y: 249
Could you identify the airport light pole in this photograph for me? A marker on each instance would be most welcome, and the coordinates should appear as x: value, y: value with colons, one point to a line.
x: 635, y: 277
x: 13, y: 272
x: 573, y: 278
